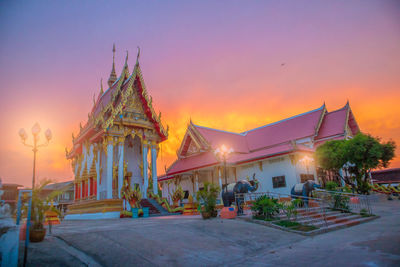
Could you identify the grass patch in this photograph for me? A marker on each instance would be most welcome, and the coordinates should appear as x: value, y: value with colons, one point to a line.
x: 263, y: 218
x: 296, y: 226
x: 288, y: 224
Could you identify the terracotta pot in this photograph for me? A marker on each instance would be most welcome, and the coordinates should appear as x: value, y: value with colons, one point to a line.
x: 37, y: 235
x: 205, y: 214
x: 214, y: 214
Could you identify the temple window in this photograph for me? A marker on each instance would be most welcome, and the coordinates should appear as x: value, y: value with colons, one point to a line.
x: 278, y: 181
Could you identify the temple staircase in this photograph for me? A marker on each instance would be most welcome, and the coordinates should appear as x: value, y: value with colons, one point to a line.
x: 155, y: 209
x: 328, y: 220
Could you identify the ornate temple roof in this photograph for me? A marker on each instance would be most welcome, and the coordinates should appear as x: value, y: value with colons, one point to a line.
x: 110, y: 105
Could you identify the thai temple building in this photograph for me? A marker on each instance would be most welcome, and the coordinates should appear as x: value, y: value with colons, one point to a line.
x: 280, y: 154
x: 119, y: 140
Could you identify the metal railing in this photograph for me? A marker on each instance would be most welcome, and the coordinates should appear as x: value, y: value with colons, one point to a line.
x: 346, y: 202
x: 307, y: 210
x: 314, y: 210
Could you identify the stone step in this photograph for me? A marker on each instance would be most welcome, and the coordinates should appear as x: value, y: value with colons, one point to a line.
x: 313, y: 215
x: 348, y: 223
x: 340, y: 220
x: 328, y: 216
x: 160, y: 208
x: 146, y: 204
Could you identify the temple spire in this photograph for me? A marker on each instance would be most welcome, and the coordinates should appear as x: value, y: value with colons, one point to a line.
x: 113, y: 75
x: 138, y: 55
x: 101, y: 87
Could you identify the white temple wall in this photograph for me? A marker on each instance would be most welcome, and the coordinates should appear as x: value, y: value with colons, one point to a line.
x: 133, y: 156
x: 279, y: 166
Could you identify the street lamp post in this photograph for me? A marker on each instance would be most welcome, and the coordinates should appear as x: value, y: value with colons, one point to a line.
x: 306, y: 160
x: 35, y: 132
x: 222, y: 153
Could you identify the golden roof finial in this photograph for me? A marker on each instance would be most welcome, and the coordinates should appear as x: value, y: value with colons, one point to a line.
x: 138, y: 55
x: 101, y: 87
x: 126, y: 58
x: 113, y: 75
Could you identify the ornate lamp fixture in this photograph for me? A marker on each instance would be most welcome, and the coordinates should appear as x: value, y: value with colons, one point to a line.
x: 35, y: 132
x: 222, y: 153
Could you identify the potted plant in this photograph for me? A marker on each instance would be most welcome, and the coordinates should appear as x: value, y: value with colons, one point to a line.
x: 177, y: 195
x: 134, y: 200
x: 208, y: 197
x: 39, y: 207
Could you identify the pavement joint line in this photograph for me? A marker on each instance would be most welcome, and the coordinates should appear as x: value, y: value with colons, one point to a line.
x: 80, y: 255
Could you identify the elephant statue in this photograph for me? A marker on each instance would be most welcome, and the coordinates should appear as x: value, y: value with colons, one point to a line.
x: 304, y: 190
x: 242, y: 186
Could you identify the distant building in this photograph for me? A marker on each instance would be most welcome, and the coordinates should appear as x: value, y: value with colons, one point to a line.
x: 10, y: 195
x: 273, y: 152
x: 386, y: 176
x: 65, y: 196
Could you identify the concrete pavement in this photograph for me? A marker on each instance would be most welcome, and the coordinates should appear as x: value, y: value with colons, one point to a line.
x: 189, y: 240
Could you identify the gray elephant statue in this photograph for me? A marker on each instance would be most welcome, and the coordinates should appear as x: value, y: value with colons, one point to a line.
x: 242, y: 186
x: 304, y: 190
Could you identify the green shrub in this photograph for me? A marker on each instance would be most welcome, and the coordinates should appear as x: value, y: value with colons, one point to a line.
x: 290, y: 208
x: 266, y: 207
x: 341, y: 202
x: 208, y: 195
x: 331, y: 186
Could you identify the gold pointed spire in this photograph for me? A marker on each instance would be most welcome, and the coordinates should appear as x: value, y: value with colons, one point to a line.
x: 138, y: 55
x: 113, y: 75
x: 101, y: 87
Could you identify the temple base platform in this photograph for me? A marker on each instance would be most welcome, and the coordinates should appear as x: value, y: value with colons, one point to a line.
x: 190, y: 209
x: 95, y: 209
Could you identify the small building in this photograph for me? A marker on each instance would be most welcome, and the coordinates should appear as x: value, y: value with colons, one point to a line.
x: 10, y: 194
x: 280, y: 154
x: 386, y: 176
x: 65, y: 196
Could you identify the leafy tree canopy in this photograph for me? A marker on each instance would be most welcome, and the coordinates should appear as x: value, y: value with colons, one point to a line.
x: 358, y: 156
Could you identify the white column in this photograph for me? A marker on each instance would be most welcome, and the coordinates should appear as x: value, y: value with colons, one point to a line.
x: 145, y: 169
x: 98, y: 174
x: 81, y: 191
x: 154, y: 169
x: 120, y: 164
x: 196, y: 177
x: 88, y: 188
x: 220, y: 182
x: 109, y: 173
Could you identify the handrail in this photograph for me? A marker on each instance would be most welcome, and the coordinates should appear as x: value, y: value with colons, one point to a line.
x: 325, y: 201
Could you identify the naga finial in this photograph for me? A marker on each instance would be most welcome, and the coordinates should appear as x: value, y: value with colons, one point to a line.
x: 101, y: 87
x: 126, y: 58
x: 138, y: 55
x: 80, y: 126
x: 73, y: 137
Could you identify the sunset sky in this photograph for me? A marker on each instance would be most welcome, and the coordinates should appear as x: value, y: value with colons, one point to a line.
x: 232, y: 65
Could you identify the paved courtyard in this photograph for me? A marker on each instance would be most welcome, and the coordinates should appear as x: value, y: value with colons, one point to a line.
x: 191, y: 241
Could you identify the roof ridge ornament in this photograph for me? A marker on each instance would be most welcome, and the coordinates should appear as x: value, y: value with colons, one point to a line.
x: 126, y: 58
x: 138, y: 55
x: 113, y: 75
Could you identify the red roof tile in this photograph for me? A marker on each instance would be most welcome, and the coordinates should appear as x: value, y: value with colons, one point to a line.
x: 297, y: 127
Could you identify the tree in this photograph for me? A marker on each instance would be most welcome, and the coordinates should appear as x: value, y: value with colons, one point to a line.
x: 357, y: 156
